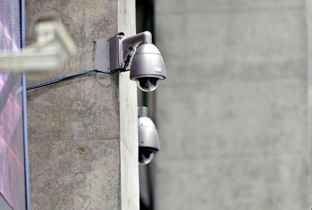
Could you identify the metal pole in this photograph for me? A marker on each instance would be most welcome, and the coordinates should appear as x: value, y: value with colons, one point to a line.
x: 27, y: 184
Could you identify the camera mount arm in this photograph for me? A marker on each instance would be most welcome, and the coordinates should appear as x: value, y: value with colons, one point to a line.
x: 133, y: 42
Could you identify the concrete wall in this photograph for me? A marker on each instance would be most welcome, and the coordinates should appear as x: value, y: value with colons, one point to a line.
x: 233, y: 115
x: 82, y: 136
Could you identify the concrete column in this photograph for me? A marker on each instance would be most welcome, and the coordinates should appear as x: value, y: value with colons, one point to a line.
x: 83, y: 131
x: 234, y: 114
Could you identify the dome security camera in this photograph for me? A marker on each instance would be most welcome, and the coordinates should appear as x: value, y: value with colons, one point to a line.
x: 148, y: 137
x: 146, y: 67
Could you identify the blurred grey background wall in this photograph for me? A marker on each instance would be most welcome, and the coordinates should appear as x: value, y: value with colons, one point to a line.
x: 234, y: 113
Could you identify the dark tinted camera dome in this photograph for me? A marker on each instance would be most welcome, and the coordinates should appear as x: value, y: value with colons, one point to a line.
x: 145, y: 155
x: 148, y: 84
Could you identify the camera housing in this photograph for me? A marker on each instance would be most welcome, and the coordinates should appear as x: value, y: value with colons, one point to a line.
x: 139, y: 55
x: 148, y: 137
x: 147, y: 67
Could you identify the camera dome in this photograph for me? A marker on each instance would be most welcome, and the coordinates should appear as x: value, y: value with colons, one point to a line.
x: 148, y: 84
x: 145, y: 155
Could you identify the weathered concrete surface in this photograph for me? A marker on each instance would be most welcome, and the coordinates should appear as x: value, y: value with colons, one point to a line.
x: 233, y: 115
x: 78, y: 128
x: 75, y: 174
x: 85, y: 107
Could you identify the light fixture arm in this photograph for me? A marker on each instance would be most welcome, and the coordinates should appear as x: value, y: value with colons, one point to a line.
x: 53, y: 46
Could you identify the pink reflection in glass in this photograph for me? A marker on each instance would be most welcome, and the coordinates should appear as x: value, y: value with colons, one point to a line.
x: 12, y: 172
x: 8, y: 37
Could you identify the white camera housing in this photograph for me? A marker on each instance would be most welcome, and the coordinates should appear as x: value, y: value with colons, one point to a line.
x: 137, y: 54
x: 147, y: 67
x: 148, y: 137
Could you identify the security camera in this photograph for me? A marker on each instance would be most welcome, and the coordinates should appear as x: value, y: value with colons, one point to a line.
x: 147, y: 67
x: 53, y: 46
x: 135, y: 53
x: 148, y: 137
